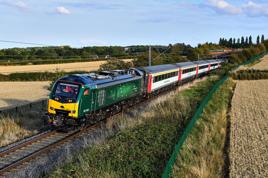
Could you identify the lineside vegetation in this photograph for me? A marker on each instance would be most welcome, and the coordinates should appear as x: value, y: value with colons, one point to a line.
x: 18, y: 125
x: 203, y: 155
x: 143, y: 149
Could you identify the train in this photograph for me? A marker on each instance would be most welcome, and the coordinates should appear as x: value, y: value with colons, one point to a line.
x: 80, y: 99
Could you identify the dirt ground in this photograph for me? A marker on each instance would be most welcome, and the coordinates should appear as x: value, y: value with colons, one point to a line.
x: 67, y: 67
x: 249, y: 130
x: 18, y: 93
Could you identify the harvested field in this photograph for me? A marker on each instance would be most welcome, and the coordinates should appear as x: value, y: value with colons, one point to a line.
x: 263, y: 65
x: 67, y: 67
x: 249, y: 130
x: 19, y: 93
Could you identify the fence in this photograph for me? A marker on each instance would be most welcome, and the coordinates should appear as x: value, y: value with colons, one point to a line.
x: 199, y: 111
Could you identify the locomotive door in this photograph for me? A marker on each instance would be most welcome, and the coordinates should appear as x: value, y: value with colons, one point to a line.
x: 85, y: 101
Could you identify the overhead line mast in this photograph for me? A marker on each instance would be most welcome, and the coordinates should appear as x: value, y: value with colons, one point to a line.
x: 150, y: 55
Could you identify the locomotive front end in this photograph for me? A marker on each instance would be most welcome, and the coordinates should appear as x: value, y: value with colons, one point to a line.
x: 63, y: 104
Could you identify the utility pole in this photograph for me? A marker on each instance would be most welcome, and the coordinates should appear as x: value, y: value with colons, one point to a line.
x: 150, y: 56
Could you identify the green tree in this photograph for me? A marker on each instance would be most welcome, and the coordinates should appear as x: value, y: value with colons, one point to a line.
x: 262, y: 39
x: 192, y: 54
x: 238, y: 43
x: 250, y: 40
x: 242, y: 42
x: 230, y: 42
x: 234, y: 43
x: 258, y: 40
x: 246, y: 42
x: 115, y: 64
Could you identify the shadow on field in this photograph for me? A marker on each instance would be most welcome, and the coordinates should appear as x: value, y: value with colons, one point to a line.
x: 13, y: 102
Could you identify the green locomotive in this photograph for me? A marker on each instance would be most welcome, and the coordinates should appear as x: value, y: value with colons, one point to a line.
x: 78, y: 98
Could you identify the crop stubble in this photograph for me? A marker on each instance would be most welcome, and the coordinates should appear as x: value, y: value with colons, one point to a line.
x: 249, y: 130
x: 19, y: 93
x: 67, y: 67
x: 263, y: 65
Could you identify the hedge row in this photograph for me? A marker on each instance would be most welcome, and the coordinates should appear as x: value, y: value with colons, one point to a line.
x: 41, y: 61
x: 55, y: 61
x: 250, y: 74
x: 37, y: 76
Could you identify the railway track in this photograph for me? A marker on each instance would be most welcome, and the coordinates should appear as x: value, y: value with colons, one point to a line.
x: 14, y: 155
x: 17, y: 154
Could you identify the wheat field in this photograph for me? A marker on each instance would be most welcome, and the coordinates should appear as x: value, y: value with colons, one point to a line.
x: 19, y: 93
x: 249, y: 130
x: 263, y: 65
x: 67, y: 67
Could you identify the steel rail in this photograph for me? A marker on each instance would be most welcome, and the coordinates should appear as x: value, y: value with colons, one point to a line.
x: 18, y: 153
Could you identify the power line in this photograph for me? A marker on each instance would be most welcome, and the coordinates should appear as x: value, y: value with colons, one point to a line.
x: 20, y: 42
x: 162, y: 52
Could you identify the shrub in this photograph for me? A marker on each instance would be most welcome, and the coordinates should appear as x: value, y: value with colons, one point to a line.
x: 251, y: 74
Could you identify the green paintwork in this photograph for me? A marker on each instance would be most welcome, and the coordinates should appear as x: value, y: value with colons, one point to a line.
x: 101, y: 97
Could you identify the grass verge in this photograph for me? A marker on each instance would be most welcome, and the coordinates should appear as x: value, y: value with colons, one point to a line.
x: 20, y: 124
x: 143, y: 149
x: 203, y: 154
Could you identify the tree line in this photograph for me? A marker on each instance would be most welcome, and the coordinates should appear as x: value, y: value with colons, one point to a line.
x: 161, y: 54
x: 242, y: 42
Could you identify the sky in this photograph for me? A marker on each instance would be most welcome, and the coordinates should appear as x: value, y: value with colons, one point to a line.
x: 79, y: 23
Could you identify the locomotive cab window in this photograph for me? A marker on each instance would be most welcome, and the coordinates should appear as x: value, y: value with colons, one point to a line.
x: 66, y: 92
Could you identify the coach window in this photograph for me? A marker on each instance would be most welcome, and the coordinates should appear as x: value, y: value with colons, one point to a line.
x: 203, y: 67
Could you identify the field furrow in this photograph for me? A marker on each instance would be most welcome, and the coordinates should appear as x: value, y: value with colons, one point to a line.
x: 249, y: 130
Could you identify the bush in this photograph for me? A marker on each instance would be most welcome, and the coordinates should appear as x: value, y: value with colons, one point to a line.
x: 250, y: 74
x: 38, y: 76
x: 115, y: 64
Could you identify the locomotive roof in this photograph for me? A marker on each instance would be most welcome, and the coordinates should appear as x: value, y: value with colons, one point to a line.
x: 159, y: 68
x: 96, y: 79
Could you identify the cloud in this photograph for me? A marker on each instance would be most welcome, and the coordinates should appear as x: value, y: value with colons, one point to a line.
x: 251, y: 8
x: 17, y: 4
x: 63, y: 10
x: 224, y: 6
x: 255, y: 9
x: 20, y: 5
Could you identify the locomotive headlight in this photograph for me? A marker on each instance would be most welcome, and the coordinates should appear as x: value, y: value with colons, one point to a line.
x: 51, y: 108
x: 73, y: 111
